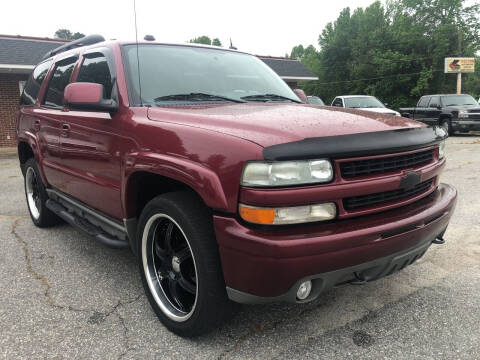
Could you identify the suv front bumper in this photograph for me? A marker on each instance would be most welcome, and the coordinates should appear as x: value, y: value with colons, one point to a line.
x: 466, y: 125
x: 263, y: 265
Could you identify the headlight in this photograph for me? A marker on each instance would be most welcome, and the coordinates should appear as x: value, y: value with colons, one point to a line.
x: 288, y: 215
x: 462, y: 114
x: 284, y: 173
x: 441, y: 150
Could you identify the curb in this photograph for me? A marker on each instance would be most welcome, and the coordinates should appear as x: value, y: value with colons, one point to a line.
x: 8, y: 153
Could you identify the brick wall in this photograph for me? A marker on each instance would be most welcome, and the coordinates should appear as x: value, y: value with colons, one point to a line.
x: 9, y: 98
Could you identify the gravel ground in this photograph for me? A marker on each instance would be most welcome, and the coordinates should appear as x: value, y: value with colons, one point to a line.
x: 66, y: 296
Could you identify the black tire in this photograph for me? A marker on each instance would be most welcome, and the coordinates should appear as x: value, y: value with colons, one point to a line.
x: 191, y: 220
x: 42, y: 216
x: 447, y: 125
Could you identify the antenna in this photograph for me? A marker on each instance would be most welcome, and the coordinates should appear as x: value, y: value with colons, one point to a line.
x: 231, y: 45
x: 138, y: 58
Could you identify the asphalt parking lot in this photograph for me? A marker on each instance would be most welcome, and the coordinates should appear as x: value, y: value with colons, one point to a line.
x: 65, y: 296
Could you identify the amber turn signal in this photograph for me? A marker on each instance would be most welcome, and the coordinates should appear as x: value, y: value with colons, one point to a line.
x: 257, y: 215
x: 288, y: 215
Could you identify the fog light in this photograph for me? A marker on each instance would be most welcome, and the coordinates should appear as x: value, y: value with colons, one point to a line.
x: 304, y: 290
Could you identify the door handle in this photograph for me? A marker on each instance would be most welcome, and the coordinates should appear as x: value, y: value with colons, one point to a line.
x: 65, y: 130
x: 36, y: 125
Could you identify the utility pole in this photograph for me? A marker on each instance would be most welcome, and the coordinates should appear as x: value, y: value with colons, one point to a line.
x: 459, y: 75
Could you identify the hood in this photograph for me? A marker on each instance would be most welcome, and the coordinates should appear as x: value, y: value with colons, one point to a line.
x: 380, y: 110
x: 269, y: 124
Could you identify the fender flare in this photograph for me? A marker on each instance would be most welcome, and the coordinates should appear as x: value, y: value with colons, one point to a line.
x: 32, y: 141
x: 204, y: 181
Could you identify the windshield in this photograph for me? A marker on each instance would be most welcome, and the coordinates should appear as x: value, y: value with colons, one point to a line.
x: 363, y: 102
x: 185, y: 74
x: 455, y: 100
x: 315, y: 100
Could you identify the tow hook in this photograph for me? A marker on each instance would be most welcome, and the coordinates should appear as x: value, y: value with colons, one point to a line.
x: 360, y: 279
x: 439, y: 240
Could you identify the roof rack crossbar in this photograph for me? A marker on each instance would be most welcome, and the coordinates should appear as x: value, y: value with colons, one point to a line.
x: 86, y: 40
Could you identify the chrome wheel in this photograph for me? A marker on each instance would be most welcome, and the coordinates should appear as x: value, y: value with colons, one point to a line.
x: 169, y: 267
x: 32, y: 188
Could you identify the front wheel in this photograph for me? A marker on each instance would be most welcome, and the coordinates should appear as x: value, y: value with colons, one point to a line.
x: 447, y: 126
x: 180, y: 265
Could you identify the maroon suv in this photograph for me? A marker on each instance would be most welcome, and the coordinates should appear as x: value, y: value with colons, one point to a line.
x: 226, y: 187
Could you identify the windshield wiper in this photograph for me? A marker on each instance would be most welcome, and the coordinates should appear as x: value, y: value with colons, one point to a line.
x: 196, y: 97
x: 268, y: 97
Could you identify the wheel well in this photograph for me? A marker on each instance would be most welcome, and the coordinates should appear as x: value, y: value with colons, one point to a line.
x: 443, y: 117
x: 143, y: 186
x: 25, y: 152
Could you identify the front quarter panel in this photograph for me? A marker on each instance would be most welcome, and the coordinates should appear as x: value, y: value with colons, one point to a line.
x: 209, y: 162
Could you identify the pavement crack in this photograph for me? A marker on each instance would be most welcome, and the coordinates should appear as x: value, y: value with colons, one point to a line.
x: 47, y: 286
x: 126, y: 331
x: 126, y: 337
x: 97, y: 317
x: 28, y: 264
x: 36, y: 275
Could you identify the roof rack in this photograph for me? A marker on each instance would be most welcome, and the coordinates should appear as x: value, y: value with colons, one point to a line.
x: 86, y: 40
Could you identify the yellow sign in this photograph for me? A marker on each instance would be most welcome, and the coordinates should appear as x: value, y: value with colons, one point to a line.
x: 459, y: 65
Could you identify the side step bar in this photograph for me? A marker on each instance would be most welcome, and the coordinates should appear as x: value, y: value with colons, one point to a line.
x: 81, y: 223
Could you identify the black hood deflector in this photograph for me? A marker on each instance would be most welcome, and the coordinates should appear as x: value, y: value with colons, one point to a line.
x: 362, y: 144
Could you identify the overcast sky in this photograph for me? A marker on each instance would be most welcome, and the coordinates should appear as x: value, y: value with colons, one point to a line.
x: 264, y: 27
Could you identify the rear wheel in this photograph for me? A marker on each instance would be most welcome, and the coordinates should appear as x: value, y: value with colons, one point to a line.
x: 180, y: 265
x: 37, y: 196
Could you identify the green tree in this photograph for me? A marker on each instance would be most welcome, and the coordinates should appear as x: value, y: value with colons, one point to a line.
x: 67, y: 34
x: 202, y: 40
x: 77, y: 35
x: 206, y: 41
x: 395, y: 52
x: 472, y: 81
x: 297, y: 52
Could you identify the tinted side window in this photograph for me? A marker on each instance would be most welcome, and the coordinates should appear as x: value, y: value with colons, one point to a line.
x: 30, y: 92
x: 59, y: 81
x: 95, y: 70
x: 434, y: 101
x: 338, y: 102
x: 423, y: 101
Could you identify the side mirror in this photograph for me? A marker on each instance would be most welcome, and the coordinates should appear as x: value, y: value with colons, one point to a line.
x: 301, y: 95
x: 87, y: 96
